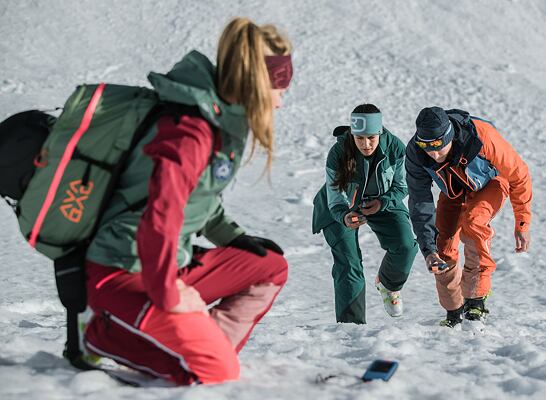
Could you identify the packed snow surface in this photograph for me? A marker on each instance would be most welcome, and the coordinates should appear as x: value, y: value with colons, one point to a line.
x: 487, y: 57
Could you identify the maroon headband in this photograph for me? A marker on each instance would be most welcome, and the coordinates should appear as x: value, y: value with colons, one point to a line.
x: 280, y: 70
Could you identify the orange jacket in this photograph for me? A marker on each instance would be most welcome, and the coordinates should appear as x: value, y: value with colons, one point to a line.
x: 511, y: 168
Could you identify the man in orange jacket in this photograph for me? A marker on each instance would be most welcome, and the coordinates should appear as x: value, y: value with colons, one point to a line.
x: 476, y: 169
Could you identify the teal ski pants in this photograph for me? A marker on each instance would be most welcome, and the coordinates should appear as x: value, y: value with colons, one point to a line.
x: 395, y: 235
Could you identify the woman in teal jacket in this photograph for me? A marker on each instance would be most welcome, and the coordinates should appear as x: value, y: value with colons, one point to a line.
x: 365, y: 184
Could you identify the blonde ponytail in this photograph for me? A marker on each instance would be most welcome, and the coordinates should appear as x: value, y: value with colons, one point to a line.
x: 243, y: 77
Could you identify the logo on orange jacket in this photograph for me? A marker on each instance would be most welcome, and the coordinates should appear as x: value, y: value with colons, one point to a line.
x: 73, y: 206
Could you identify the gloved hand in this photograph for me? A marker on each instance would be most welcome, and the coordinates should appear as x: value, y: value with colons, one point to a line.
x: 435, y: 264
x: 255, y: 244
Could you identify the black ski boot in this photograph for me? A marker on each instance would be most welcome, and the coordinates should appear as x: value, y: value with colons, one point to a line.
x: 474, y: 309
x: 453, y: 318
x: 475, y: 314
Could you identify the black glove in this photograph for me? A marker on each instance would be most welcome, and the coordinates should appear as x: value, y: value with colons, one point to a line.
x: 255, y: 244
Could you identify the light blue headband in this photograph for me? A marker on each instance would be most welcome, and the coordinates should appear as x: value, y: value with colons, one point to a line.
x: 365, y: 124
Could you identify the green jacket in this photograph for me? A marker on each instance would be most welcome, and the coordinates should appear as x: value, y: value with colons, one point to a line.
x: 191, y: 82
x: 331, y: 205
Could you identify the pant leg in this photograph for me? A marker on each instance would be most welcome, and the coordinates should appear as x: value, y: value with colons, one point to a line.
x: 191, y: 346
x: 480, y: 208
x: 348, y: 273
x: 126, y: 327
x: 247, y: 284
x: 393, y: 229
x: 448, y: 223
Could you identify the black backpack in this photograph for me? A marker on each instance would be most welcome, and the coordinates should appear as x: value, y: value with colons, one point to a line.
x: 21, y: 138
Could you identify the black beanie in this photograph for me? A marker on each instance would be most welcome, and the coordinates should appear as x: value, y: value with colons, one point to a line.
x: 431, y: 123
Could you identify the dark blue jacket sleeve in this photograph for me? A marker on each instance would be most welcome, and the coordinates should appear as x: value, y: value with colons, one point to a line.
x: 421, y: 202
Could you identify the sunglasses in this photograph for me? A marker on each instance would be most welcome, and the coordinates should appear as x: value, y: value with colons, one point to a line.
x: 435, y: 144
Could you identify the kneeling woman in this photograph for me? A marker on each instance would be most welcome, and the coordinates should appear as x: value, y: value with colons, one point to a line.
x: 147, y: 285
x: 365, y: 184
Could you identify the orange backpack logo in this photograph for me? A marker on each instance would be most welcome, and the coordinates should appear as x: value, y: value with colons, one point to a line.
x: 72, y: 207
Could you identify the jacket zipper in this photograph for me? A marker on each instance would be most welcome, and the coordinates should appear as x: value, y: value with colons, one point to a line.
x: 376, y: 179
x: 365, y: 185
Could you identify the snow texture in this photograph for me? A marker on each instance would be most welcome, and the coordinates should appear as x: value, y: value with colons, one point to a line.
x: 488, y: 57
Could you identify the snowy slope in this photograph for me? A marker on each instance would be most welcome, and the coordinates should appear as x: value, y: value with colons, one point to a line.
x: 488, y: 57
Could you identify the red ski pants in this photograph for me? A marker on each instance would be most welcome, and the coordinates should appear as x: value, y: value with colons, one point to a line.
x: 467, y: 219
x: 190, y: 347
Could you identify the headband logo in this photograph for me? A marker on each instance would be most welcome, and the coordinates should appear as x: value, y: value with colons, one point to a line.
x: 358, y: 124
x: 280, y: 70
x: 281, y: 76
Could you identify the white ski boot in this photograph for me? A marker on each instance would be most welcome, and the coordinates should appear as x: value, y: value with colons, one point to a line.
x: 391, y: 300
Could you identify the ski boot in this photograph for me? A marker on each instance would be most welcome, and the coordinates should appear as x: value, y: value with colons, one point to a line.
x: 475, y: 314
x: 453, y: 318
x: 391, y: 299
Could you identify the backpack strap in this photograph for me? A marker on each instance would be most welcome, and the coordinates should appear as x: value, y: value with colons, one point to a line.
x: 70, y: 280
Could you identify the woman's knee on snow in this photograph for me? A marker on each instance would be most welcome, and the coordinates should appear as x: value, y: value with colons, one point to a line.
x: 221, y: 373
x: 219, y: 367
x: 228, y: 369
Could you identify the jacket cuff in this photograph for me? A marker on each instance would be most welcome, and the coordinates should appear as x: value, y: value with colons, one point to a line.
x: 223, y: 233
x: 384, y: 203
x: 428, y: 251
x: 338, y: 212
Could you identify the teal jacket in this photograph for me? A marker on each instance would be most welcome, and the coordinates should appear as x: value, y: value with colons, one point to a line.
x: 331, y: 205
x: 191, y: 82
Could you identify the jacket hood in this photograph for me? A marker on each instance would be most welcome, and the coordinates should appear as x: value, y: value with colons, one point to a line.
x: 192, y: 82
x: 462, y: 117
x: 466, y: 142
